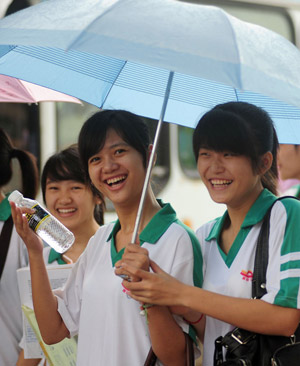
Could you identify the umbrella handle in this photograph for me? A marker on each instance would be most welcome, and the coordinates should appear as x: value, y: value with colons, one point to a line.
x: 151, y: 159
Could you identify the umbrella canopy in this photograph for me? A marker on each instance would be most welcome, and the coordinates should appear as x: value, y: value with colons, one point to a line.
x: 155, y: 58
x: 121, y: 52
x: 19, y: 91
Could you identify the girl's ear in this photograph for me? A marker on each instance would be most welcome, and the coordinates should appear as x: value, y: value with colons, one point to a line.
x: 266, y: 162
x: 98, y: 201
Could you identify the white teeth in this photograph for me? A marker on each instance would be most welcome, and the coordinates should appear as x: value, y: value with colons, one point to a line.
x: 115, y: 180
x: 220, y: 182
x: 66, y: 210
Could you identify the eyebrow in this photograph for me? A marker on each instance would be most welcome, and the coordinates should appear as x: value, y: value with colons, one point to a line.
x: 117, y: 144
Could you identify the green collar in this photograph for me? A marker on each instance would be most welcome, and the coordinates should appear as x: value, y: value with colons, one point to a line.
x: 158, y: 225
x: 54, y: 256
x: 5, y: 211
x: 253, y: 217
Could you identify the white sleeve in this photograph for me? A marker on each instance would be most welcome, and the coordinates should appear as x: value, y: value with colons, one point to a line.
x: 70, y: 296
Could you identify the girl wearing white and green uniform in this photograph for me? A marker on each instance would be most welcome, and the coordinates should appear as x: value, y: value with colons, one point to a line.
x: 16, y: 254
x: 114, y: 147
x: 68, y: 197
x: 235, y: 145
x: 231, y: 274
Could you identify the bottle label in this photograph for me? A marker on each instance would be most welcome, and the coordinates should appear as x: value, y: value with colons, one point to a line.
x: 35, y: 219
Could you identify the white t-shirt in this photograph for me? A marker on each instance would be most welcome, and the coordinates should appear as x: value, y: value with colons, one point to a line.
x: 231, y: 274
x: 10, y: 304
x: 110, y: 329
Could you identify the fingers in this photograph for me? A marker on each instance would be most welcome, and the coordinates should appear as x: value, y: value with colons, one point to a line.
x: 133, y: 248
x: 136, y: 257
x: 122, y: 271
x: 19, y: 220
x: 156, y: 268
x: 133, y: 272
x: 31, y: 240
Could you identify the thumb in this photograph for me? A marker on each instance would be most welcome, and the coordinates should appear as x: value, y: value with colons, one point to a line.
x: 155, y: 267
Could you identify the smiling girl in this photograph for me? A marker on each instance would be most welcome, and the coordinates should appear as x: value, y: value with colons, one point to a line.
x: 70, y: 198
x: 114, y: 147
x: 235, y: 146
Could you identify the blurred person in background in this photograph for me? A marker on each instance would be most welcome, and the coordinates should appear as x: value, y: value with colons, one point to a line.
x: 289, y: 168
x: 13, y: 253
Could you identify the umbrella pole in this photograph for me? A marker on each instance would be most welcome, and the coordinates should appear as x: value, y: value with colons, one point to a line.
x: 151, y: 159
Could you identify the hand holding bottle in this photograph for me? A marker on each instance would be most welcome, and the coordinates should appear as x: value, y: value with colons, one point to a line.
x: 45, y: 225
x: 31, y: 240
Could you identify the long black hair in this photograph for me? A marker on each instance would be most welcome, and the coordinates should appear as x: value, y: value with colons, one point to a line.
x: 28, y: 165
x: 241, y: 128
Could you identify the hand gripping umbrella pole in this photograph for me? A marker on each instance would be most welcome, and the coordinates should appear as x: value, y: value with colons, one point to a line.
x: 151, y: 159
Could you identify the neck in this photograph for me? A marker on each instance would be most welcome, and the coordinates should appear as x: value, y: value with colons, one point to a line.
x: 127, y: 215
x: 236, y: 217
x: 83, y: 235
x: 82, y: 238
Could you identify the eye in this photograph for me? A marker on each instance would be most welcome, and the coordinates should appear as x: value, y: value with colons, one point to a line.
x: 203, y: 153
x: 230, y: 154
x: 52, y: 188
x: 94, y: 159
x: 77, y: 187
x: 119, y: 151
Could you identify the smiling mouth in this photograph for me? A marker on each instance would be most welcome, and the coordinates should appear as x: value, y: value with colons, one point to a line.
x: 66, y: 210
x: 220, y: 182
x: 115, y: 181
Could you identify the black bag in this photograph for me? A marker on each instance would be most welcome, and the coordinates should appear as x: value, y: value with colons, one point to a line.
x: 245, y: 348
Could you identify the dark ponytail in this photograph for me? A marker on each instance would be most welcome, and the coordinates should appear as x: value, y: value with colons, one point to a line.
x: 270, y: 178
x: 29, y: 170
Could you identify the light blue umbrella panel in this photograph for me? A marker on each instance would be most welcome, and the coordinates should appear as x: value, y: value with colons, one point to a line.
x: 162, y: 59
x: 107, y: 82
x: 119, y: 53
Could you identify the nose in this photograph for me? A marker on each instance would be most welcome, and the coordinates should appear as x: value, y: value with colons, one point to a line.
x: 109, y: 164
x: 65, y: 197
x: 217, y: 165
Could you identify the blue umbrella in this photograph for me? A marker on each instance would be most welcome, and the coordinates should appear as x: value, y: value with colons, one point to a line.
x: 120, y: 53
x: 159, y: 58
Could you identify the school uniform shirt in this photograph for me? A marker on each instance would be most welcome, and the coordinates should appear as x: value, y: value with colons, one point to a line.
x: 231, y: 274
x: 51, y: 257
x: 10, y: 304
x: 94, y: 304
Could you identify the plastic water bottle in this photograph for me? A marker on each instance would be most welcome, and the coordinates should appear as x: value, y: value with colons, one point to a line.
x: 44, y: 224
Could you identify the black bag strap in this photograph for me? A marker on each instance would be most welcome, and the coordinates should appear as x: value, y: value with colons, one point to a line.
x: 262, y: 255
x: 190, y: 356
x: 4, y: 241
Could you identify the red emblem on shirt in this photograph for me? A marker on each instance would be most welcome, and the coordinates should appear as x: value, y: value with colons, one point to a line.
x: 247, y: 276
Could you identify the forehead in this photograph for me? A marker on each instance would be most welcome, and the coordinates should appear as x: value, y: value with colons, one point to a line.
x: 113, y: 139
x: 62, y: 182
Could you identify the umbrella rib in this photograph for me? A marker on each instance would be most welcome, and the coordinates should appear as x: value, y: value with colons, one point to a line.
x: 151, y: 159
x: 112, y: 84
x: 237, y: 49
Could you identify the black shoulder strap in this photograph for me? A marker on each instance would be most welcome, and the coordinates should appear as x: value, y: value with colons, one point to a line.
x: 262, y: 255
x: 4, y: 241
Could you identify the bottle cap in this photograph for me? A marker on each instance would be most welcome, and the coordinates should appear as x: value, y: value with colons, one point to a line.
x: 15, y: 196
